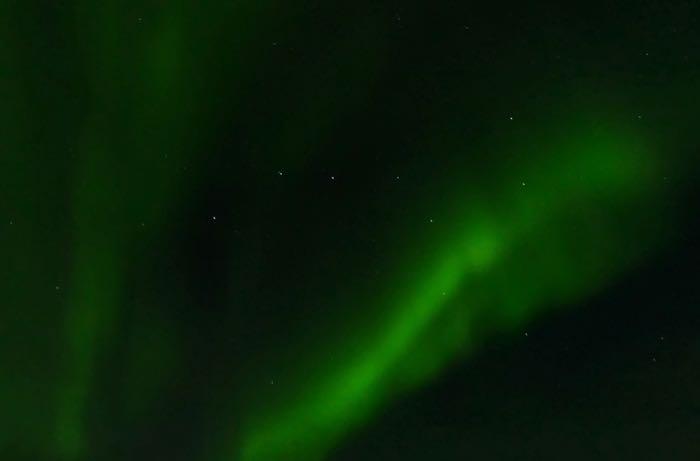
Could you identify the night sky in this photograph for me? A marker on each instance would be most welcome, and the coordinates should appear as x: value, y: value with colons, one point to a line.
x: 337, y: 231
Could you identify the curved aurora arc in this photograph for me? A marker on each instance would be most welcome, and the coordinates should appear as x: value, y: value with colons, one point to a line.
x: 545, y: 242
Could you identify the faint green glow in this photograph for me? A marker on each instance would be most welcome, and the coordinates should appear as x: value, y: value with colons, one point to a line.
x: 480, y: 270
x: 113, y: 191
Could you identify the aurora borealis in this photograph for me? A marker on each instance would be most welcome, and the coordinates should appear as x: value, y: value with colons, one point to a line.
x: 265, y: 231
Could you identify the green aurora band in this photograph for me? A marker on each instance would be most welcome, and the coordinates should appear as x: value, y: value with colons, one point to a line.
x: 538, y: 233
x: 523, y: 250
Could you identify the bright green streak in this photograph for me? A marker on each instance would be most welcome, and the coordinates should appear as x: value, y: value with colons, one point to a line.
x: 483, y: 269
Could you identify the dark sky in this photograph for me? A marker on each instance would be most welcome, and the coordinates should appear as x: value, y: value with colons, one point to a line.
x: 330, y: 231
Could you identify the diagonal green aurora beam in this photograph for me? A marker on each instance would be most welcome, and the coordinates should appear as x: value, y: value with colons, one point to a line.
x: 542, y: 241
